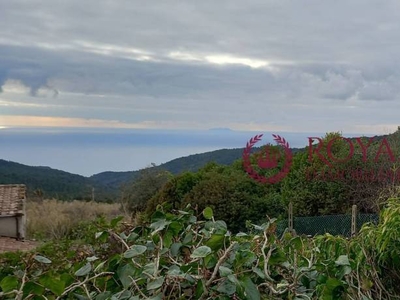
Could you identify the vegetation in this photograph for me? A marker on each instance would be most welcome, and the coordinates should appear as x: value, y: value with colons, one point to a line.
x: 199, y: 235
x: 187, y: 255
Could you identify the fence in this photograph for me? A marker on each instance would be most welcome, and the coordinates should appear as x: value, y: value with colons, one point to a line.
x: 345, y: 225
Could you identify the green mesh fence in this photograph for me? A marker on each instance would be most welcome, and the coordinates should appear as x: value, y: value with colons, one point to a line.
x: 333, y: 224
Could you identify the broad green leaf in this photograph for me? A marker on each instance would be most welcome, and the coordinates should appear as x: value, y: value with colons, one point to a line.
x: 250, y: 289
x: 208, y: 213
x: 155, y: 284
x: 32, y: 288
x: 259, y: 272
x: 216, y: 241
x: 343, y: 260
x: 84, y: 270
x: 124, y: 273
x: 9, y: 283
x: 188, y: 238
x: 227, y: 287
x: 114, y: 222
x: 135, y: 251
x: 42, y: 259
x: 220, y: 227
x: 53, y: 284
x: 157, y: 297
x: 345, y: 270
x: 159, y: 225
x: 132, y: 237
x: 202, y: 251
x: 149, y: 269
x: 175, y: 249
x: 199, y: 289
x: 103, y: 296
x: 174, y: 270
x: 224, y: 271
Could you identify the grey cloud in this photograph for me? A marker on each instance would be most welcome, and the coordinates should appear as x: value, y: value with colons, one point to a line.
x: 319, y: 54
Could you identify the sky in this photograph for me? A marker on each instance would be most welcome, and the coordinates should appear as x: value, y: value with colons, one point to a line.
x: 116, y: 85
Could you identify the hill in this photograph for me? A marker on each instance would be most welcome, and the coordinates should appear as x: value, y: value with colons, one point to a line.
x: 67, y: 186
x: 175, y: 166
x: 53, y: 183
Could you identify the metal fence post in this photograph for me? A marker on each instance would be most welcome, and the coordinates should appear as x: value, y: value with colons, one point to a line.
x: 354, y: 220
x: 290, y: 217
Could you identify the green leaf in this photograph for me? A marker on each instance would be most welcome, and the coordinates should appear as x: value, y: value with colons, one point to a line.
x: 216, y: 242
x: 175, y: 248
x: 250, y: 289
x: 240, y: 234
x: 224, y: 271
x: 343, y: 260
x: 202, y: 251
x: 84, y: 270
x: 132, y: 237
x: 159, y: 225
x: 9, y: 283
x: 114, y: 222
x: 199, y: 289
x: 42, y: 259
x: 32, y: 288
x: 149, y: 269
x: 259, y: 272
x: 135, y: 251
x: 124, y: 273
x: 104, y: 296
x: 220, y: 227
x: 155, y: 284
x: 208, y: 213
x: 227, y: 287
x: 344, y: 270
x: 53, y: 284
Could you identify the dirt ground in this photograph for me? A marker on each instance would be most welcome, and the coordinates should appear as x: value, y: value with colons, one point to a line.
x: 10, y: 244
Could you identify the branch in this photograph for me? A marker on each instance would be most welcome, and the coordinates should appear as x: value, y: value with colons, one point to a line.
x: 76, y: 285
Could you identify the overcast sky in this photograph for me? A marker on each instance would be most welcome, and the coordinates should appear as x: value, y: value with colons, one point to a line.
x: 260, y: 66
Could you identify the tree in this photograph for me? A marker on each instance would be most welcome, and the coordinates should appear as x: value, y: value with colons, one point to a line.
x: 136, y: 193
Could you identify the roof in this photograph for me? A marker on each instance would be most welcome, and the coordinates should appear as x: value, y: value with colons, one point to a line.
x: 12, y: 198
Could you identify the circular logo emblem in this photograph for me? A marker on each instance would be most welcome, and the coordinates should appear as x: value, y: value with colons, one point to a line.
x: 269, y: 160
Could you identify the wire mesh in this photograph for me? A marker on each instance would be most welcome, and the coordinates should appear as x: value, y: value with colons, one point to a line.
x: 332, y: 224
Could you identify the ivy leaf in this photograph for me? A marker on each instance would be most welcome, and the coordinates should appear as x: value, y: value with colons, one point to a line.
x: 104, y: 296
x: 135, y: 251
x: 216, y: 242
x: 208, y: 213
x: 53, y: 284
x: 224, y: 271
x: 250, y: 289
x: 155, y: 284
x: 42, y: 259
x: 175, y: 248
x: 9, y: 283
x: 114, y: 222
x: 227, y: 287
x: 32, y: 288
x: 159, y: 225
x: 343, y: 260
x: 84, y: 270
x: 202, y: 251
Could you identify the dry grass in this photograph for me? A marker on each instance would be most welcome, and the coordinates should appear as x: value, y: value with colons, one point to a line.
x: 55, y: 219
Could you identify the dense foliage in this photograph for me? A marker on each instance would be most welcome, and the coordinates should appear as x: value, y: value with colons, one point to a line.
x: 185, y: 255
x: 53, y: 183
